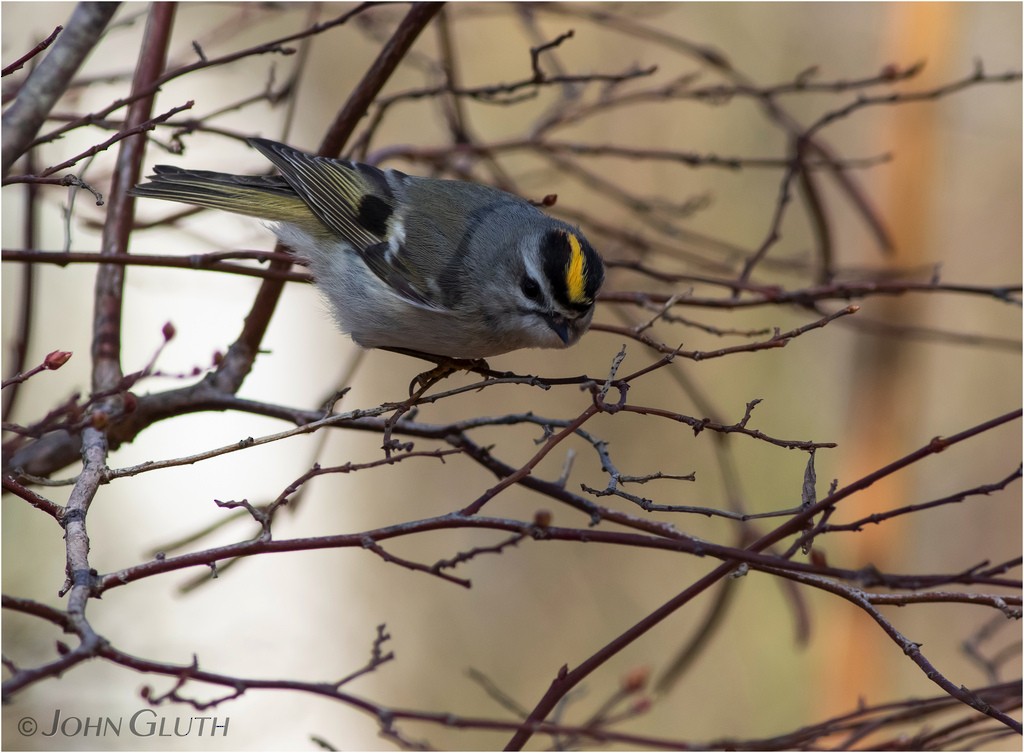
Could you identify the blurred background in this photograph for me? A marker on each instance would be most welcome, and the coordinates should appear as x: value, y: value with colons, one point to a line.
x: 880, y: 384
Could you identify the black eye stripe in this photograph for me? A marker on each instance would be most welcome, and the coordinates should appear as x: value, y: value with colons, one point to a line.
x: 530, y: 288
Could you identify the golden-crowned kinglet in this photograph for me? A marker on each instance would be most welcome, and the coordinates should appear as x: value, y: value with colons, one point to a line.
x: 444, y: 267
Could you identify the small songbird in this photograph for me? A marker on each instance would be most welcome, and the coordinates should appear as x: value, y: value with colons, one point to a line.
x: 445, y: 267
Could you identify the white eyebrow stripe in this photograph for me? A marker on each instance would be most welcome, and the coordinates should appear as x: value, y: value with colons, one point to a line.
x: 535, y: 273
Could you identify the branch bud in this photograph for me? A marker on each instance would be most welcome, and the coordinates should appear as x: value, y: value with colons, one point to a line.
x: 56, y: 359
x: 636, y: 679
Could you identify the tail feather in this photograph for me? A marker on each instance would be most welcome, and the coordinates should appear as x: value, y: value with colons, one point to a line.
x: 266, y: 197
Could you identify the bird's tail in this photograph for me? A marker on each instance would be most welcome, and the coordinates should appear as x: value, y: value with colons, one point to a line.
x: 266, y: 197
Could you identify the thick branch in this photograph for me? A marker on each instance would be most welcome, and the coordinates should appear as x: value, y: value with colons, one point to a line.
x: 46, y: 84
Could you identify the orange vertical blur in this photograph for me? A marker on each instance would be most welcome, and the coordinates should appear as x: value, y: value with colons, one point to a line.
x: 884, y: 399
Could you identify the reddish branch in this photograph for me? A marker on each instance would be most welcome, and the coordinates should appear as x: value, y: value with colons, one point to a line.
x: 18, y: 64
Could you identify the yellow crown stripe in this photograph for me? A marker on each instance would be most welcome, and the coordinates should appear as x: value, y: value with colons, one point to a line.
x: 575, y: 271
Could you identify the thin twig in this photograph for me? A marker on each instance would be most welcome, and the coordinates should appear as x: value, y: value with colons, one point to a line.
x: 18, y: 64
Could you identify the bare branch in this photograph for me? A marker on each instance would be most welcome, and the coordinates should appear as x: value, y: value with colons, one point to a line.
x: 48, y: 81
x: 18, y: 64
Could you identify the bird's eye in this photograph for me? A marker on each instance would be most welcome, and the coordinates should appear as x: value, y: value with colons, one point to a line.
x: 530, y: 288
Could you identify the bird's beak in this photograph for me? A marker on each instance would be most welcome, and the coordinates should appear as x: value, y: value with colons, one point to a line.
x: 560, y: 326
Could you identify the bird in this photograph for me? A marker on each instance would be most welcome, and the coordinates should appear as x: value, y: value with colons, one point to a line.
x: 428, y: 265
